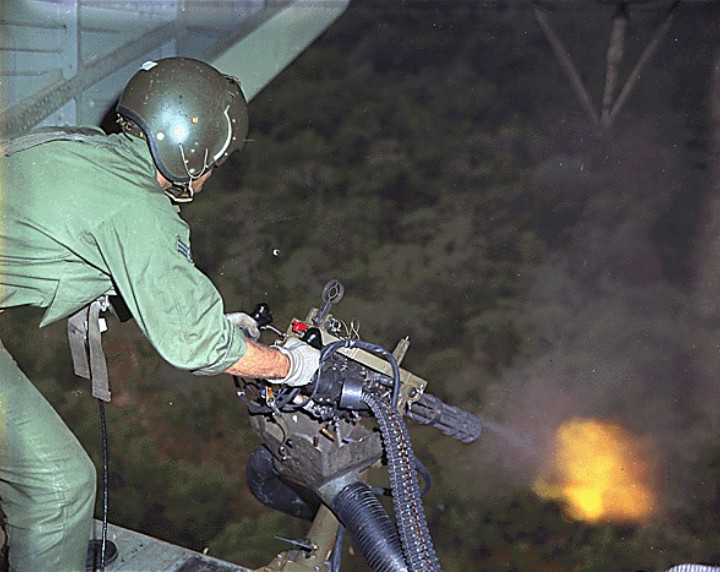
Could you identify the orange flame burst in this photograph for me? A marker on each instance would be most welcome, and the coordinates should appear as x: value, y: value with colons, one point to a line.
x: 599, y: 471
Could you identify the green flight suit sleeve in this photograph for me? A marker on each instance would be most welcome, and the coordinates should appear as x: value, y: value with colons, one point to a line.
x: 175, y: 304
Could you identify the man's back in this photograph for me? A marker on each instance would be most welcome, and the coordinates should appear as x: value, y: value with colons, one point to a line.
x: 56, y: 199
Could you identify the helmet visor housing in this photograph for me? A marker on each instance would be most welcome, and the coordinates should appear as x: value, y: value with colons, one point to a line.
x: 192, y: 116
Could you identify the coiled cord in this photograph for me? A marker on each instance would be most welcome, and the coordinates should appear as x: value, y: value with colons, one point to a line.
x: 103, y: 541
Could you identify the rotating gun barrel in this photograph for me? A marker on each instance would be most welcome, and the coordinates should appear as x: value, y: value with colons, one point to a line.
x: 452, y: 421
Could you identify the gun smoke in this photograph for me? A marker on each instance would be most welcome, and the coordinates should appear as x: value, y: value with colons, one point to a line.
x: 626, y: 328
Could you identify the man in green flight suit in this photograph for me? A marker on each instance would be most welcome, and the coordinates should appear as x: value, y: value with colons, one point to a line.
x: 85, y: 215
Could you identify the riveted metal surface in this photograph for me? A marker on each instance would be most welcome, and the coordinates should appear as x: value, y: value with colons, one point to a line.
x: 64, y: 62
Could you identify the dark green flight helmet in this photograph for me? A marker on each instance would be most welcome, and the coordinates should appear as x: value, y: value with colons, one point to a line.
x: 192, y: 116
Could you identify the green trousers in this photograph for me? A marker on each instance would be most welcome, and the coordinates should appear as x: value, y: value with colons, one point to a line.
x: 47, y: 480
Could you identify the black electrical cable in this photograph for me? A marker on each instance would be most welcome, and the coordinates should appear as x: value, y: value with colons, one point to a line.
x: 422, y: 470
x: 330, y: 349
x: 381, y: 491
x: 337, y: 551
x: 284, y: 397
x: 316, y: 383
x: 287, y: 395
x: 252, y: 407
x: 103, y: 430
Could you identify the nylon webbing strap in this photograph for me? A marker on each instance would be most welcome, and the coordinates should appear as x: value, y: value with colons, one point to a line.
x: 77, y: 334
x: 84, y: 334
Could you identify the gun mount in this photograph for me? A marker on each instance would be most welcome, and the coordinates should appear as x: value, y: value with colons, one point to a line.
x: 317, y: 447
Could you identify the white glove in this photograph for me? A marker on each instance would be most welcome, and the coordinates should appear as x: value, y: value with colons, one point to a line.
x: 304, y: 362
x: 246, y: 323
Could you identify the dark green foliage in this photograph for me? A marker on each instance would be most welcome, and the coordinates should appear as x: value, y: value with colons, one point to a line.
x: 431, y: 156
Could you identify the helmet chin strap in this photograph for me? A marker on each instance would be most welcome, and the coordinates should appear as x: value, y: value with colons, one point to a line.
x: 184, y: 192
x: 181, y: 192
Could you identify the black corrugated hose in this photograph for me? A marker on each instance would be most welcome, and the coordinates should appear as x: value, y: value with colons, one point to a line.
x: 266, y: 486
x: 373, y: 532
x: 409, y: 513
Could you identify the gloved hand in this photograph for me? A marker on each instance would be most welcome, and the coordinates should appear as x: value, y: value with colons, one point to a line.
x: 247, y: 324
x: 304, y: 362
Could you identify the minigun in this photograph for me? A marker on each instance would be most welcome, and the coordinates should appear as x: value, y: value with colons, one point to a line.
x: 317, y: 448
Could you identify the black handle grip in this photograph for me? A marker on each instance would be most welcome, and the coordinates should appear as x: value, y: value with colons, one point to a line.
x: 261, y: 314
x: 452, y: 421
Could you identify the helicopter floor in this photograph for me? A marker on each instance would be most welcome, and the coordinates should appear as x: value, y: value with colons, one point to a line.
x: 140, y: 553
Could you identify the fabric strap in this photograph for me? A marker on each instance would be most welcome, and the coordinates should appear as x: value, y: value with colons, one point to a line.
x: 85, y: 329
